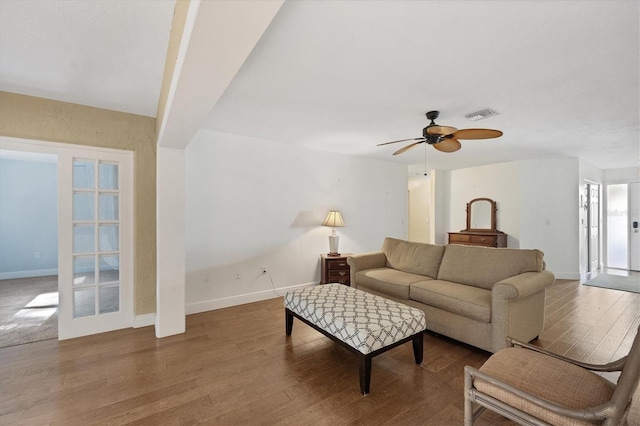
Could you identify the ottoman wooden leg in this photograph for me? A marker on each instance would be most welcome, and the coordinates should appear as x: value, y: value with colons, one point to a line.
x: 365, y: 374
x: 418, y: 345
x: 288, y: 321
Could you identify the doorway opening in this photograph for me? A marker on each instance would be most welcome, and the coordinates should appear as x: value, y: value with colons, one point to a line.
x: 623, y: 227
x: 28, y: 247
x: 590, y: 240
x: 93, y: 221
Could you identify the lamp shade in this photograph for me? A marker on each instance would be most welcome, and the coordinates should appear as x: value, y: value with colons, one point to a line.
x: 334, y: 219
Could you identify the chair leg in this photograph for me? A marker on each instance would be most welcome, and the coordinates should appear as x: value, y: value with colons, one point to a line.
x: 468, y: 403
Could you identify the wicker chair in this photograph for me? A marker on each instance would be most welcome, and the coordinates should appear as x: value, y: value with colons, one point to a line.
x: 532, y: 386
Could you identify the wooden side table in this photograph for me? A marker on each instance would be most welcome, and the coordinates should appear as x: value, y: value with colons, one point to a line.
x: 335, y: 269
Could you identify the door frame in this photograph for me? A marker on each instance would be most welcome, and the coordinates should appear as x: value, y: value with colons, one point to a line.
x: 586, y: 271
x: 69, y: 327
x: 634, y: 216
x: 631, y: 214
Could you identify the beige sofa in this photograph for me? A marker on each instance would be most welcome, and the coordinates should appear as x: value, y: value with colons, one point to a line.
x: 476, y: 295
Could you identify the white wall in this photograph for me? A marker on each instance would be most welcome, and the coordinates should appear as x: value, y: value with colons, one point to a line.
x: 170, y: 242
x: 253, y: 202
x: 419, y: 209
x: 537, y: 205
x: 439, y: 217
x: 496, y: 181
x: 28, y: 216
x: 631, y: 174
x: 550, y: 212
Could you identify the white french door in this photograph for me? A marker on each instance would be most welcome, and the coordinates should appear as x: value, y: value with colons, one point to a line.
x: 95, y: 236
x: 95, y: 242
x: 594, y: 227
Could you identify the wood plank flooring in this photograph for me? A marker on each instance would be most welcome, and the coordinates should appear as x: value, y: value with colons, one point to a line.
x: 235, y: 366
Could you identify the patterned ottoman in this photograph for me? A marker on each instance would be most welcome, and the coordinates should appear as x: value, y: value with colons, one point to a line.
x: 361, y: 322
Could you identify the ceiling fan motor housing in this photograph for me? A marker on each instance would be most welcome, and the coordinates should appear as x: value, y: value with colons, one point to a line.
x: 429, y: 138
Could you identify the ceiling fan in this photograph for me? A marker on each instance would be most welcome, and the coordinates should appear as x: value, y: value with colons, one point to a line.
x: 444, y: 138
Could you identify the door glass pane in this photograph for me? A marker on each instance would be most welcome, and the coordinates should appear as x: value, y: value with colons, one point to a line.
x: 109, y: 237
x: 84, y: 302
x: 109, y: 299
x: 83, y: 206
x: 83, y: 174
x: 617, y: 219
x: 84, y: 270
x: 108, y: 176
x: 108, y: 206
x: 84, y: 238
x: 109, y: 269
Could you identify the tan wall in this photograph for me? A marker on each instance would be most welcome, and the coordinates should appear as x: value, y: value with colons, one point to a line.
x: 175, y: 38
x: 46, y: 120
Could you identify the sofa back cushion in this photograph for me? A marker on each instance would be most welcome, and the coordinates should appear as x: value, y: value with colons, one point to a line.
x: 484, y: 266
x: 415, y: 258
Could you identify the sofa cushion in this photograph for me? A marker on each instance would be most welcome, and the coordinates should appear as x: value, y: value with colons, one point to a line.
x: 485, y: 266
x: 468, y: 301
x: 388, y: 281
x: 415, y: 258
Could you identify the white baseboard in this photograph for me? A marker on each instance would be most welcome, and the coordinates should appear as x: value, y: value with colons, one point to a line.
x: 144, y: 320
x: 28, y: 274
x: 241, y: 299
x: 566, y: 275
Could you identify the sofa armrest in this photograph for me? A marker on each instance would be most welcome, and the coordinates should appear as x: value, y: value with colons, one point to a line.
x: 517, y: 307
x: 523, y: 285
x: 362, y: 261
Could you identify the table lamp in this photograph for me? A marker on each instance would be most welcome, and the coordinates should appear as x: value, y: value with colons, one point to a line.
x: 334, y: 219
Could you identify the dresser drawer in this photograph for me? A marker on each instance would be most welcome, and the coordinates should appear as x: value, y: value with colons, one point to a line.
x: 338, y: 274
x: 337, y: 278
x: 337, y: 264
x: 488, y: 240
x: 459, y: 238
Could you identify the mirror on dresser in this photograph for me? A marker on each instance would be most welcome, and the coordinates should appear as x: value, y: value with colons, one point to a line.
x: 481, y: 215
x: 481, y: 227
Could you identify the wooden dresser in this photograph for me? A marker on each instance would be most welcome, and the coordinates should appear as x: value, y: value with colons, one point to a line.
x: 335, y: 269
x: 485, y: 239
x: 481, y: 227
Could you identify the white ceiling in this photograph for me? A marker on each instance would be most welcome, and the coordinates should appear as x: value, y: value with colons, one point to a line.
x: 346, y: 75
x: 106, y: 54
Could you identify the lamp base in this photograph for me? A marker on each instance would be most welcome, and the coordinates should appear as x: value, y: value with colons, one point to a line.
x: 333, y: 254
x: 333, y: 245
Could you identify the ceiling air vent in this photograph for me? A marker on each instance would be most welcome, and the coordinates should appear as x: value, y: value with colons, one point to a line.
x: 482, y: 114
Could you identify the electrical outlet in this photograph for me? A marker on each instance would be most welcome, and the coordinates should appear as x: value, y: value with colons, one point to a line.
x: 237, y: 275
x: 263, y: 270
x: 36, y: 255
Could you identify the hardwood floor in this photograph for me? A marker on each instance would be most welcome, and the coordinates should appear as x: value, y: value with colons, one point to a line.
x: 235, y: 366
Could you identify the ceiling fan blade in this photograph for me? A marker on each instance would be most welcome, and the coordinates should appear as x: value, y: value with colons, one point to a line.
x: 401, y: 140
x: 441, y: 130
x: 477, y: 134
x: 447, y: 145
x: 406, y: 148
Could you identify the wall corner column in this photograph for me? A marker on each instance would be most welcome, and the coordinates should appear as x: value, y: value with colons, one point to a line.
x: 170, y: 216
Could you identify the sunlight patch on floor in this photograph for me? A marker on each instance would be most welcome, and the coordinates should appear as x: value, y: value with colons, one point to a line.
x: 44, y: 300
x: 35, y: 313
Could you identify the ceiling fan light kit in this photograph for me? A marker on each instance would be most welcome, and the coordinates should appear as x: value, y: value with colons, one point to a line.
x: 445, y: 138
